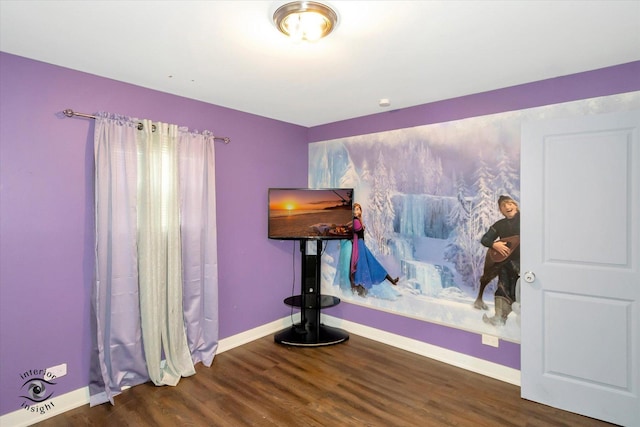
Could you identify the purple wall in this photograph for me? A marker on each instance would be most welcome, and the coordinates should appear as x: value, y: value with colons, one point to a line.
x: 46, y: 217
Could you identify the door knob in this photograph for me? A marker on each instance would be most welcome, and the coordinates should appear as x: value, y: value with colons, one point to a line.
x: 529, y: 277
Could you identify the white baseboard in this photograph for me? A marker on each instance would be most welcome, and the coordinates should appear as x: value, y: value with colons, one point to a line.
x: 57, y: 405
x: 66, y: 402
x: 470, y: 363
x: 256, y: 333
x: 80, y: 397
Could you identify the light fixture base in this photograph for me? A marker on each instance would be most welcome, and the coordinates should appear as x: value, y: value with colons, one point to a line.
x: 305, y: 20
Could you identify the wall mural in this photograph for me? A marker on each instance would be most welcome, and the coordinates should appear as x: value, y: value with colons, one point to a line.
x: 428, y: 195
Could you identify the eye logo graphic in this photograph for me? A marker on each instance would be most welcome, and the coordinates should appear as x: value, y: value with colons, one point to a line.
x: 37, y: 389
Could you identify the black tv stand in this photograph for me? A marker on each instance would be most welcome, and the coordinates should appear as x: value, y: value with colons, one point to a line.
x: 310, y: 332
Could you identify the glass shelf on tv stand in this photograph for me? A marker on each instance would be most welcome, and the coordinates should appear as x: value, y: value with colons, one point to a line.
x: 310, y: 301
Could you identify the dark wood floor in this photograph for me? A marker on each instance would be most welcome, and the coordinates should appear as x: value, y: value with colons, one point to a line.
x: 357, y: 383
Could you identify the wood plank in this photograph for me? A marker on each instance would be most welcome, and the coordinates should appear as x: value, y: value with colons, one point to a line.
x: 356, y: 383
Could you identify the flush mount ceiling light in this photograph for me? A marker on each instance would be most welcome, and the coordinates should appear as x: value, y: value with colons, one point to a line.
x: 305, y: 20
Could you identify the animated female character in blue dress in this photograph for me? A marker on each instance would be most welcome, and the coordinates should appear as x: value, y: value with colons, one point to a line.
x: 365, y: 270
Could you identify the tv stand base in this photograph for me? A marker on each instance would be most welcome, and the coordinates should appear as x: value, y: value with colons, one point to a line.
x: 310, y: 332
x: 299, y: 335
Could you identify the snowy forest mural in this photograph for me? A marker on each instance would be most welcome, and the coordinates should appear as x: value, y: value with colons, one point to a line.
x: 428, y: 194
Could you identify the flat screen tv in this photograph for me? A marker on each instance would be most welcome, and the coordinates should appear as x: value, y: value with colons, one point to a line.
x: 310, y: 213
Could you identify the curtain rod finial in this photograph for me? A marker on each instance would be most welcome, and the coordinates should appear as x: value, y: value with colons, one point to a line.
x: 68, y: 112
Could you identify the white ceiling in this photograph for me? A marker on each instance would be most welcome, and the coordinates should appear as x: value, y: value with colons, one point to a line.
x: 229, y: 53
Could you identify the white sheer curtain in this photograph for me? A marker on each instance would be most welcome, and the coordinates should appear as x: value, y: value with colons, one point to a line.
x: 155, y: 293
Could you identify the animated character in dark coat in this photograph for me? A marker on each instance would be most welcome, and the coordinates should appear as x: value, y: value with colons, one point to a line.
x: 503, y: 260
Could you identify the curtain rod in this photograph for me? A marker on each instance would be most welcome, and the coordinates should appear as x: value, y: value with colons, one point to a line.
x: 70, y: 113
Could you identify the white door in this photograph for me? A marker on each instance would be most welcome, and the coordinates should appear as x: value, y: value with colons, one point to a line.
x: 580, y: 230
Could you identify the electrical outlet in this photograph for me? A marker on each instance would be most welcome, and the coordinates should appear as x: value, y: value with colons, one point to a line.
x: 490, y: 340
x: 57, y: 371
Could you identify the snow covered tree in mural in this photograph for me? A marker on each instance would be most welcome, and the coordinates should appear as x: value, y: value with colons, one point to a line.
x: 381, y: 214
x: 483, y: 216
x: 365, y: 173
x: 507, y: 177
x: 432, y: 173
x: 463, y: 235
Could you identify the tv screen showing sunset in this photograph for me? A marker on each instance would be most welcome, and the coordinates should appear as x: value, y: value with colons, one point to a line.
x: 296, y: 213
